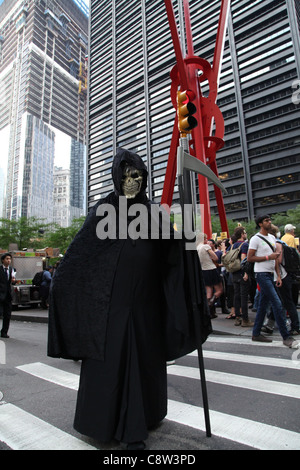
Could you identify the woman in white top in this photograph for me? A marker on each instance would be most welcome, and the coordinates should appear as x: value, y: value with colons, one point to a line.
x: 212, y: 279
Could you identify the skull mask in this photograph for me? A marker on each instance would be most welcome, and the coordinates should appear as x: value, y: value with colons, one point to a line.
x: 131, y: 181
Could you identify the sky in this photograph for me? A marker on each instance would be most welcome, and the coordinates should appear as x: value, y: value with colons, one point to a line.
x: 85, y: 1
x: 63, y: 142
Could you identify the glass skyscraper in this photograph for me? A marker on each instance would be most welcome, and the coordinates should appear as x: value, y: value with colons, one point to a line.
x: 43, y: 54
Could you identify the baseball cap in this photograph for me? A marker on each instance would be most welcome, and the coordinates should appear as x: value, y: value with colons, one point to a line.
x: 289, y: 227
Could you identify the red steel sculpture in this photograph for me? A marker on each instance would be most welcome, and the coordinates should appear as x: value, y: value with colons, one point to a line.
x: 207, y: 138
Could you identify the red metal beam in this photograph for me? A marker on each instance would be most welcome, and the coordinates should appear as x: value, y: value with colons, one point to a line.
x: 207, y: 138
x: 188, y: 28
x: 177, y: 46
x: 170, y: 177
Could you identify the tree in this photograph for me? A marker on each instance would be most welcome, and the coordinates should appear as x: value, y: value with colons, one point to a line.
x: 25, y: 232
x: 292, y: 216
x: 61, y: 237
x: 35, y: 233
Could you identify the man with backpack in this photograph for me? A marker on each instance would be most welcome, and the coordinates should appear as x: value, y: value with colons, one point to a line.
x: 291, y: 255
x: 262, y: 252
x: 289, y: 236
x: 45, y: 287
x: 285, y: 290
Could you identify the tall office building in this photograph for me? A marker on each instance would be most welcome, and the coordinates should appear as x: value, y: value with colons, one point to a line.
x: 43, y: 52
x: 131, y: 55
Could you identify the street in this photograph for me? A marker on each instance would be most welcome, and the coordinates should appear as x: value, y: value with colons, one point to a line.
x: 253, y: 392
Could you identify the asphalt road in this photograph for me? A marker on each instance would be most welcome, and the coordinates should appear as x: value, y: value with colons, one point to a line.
x: 253, y: 393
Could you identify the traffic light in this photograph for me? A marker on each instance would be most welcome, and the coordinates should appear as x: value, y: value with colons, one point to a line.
x: 185, y: 111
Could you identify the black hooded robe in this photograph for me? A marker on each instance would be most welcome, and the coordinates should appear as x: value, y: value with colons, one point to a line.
x: 127, y: 393
x: 110, y: 305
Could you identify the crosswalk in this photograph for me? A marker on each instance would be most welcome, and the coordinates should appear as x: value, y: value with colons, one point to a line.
x: 21, y: 430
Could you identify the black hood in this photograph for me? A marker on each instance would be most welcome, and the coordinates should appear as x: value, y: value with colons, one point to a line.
x: 122, y: 157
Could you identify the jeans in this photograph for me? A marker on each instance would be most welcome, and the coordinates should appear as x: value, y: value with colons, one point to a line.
x: 285, y: 292
x: 268, y: 294
x: 241, y: 292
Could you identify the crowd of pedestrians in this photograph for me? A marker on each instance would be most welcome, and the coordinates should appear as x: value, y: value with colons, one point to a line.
x: 270, y: 289
x: 258, y: 281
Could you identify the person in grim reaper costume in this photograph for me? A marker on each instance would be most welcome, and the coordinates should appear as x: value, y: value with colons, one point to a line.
x: 122, y: 306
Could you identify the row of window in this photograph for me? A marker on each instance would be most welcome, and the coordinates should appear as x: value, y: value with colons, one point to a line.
x: 276, y: 181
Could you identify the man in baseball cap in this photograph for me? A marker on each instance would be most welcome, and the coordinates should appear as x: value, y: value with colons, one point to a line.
x: 289, y: 235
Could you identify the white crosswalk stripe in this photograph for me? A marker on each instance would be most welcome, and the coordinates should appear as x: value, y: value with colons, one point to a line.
x: 52, y: 374
x: 21, y: 430
x: 249, y: 359
x: 245, y: 341
x: 251, y: 433
x: 240, y: 381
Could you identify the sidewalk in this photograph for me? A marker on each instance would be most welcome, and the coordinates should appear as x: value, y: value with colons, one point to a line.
x: 221, y: 325
x: 26, y: 314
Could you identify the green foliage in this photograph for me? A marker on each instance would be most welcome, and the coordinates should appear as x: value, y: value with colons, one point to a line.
x: 26, y: 233
x: 61, y: 237
x: 36, y: 234
x: 292, y: 216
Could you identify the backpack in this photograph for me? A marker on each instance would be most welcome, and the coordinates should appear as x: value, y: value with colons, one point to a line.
x: 290, y: 259
x: 231, y: 259
x: 38, y: 278
x: 248, y: 267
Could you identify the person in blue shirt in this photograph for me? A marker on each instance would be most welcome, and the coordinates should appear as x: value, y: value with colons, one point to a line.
x: 45, y: 287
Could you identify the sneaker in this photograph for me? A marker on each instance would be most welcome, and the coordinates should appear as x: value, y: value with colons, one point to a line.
x: 262, y: 339
x: 247, y: 323
x: 290, y: 342
x: 267, y: 330
x: 238, y: 321
x: 295, y: 332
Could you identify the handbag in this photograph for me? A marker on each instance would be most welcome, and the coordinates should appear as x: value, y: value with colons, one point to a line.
x: 247, y: 267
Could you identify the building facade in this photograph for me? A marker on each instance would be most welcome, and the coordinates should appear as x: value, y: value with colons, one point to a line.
x: 131, y: 55
x: 61, y: 197
x: 63, y: 209
x: 43, y: 48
